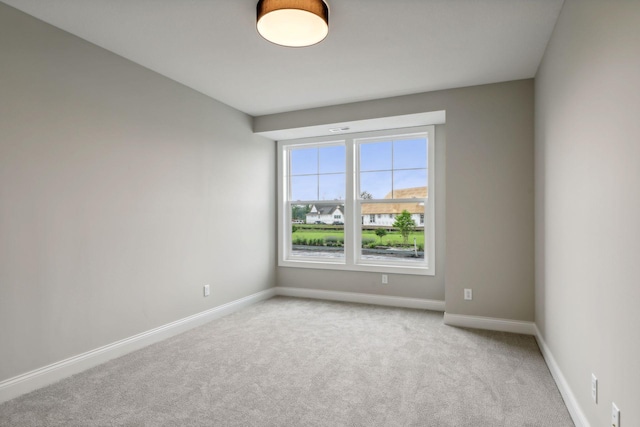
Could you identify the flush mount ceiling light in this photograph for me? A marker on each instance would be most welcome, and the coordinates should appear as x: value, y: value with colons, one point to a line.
x: 293, y: 23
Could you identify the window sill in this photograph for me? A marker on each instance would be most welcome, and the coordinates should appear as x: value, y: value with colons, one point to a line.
x: 369, y: 268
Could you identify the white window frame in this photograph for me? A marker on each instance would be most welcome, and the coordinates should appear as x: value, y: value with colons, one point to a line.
x: 352, y: 219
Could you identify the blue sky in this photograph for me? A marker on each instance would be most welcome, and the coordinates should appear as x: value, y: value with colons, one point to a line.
x: 319, y: 173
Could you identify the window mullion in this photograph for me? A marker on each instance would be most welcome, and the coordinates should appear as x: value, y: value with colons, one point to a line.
x: 350, y: 209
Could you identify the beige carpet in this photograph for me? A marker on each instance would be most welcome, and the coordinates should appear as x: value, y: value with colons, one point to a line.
x: 297, y: 362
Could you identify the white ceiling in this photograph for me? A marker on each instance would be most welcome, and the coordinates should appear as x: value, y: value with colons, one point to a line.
x: 375, y: 48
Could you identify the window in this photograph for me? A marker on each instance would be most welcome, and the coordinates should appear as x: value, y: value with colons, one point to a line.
x: 362, y: 202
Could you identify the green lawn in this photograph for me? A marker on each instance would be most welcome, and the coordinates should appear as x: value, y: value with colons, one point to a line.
x: 394, y: 238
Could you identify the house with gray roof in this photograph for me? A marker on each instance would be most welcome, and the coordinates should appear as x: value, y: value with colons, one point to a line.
x: 325, y: 213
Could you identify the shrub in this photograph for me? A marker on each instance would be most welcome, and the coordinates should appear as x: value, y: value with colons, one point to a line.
x: 334, y: 241
x: 381, y: 232
x: 299, y: 241
x: 316, y: 242
x: 366, y: 241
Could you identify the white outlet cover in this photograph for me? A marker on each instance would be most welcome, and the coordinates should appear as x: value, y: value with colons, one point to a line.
x: 615, y: 415
x: 206, y: 290
x: 468, y: 294
x: 594, y: 388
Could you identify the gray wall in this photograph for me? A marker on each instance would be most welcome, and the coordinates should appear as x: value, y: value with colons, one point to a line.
x: 487, y: 233
x: 588, y: 203
x: 120, y: 192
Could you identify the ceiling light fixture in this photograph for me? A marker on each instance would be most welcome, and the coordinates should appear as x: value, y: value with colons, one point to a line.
x: 293, y: 23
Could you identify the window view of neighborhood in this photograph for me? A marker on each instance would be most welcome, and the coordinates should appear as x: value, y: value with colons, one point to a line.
x: 391, y: 181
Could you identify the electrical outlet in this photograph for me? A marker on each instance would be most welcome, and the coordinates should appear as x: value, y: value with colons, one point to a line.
x: 206, y: 290
x: 615, y: 415
x: 385, y: 279
x: 594, y: 388
x: 468, y: 294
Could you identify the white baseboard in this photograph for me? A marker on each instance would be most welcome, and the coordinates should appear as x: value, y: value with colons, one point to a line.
x: 425, y: 304
x: 527, y: 328
x: 46, y: 375
x: 579, y: 419
x: 21, y: 384
x: 490, y: 323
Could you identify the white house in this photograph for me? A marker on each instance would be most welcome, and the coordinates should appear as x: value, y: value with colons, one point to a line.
x: 325, y: 214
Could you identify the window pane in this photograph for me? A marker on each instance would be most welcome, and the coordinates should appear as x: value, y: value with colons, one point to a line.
x: 304, y: 161
x: 304, y: 187
x: 375, y: 156
x: 332, y: 159
x: 324, y: 240
x: 408, y: 184
x: 393, y: 232
x: 376, y: 184
x: 332, y: 187
x: 410, y: 154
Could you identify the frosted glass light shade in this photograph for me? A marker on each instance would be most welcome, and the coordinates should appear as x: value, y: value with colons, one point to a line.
x: 293, y: 23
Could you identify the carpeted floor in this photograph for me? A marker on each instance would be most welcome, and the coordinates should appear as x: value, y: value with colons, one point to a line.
x: 297, y: 362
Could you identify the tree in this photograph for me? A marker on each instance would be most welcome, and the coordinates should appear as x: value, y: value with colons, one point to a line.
x: 405, y: 224
x: 365, y: 195
x: 381, y: 232
x: 300, y: 211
